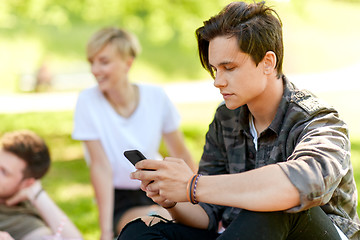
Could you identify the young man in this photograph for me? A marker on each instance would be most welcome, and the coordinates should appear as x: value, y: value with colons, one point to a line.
x: 276, y: 162
x: 26, y: 210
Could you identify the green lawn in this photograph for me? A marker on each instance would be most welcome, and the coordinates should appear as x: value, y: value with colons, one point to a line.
x: 68, y: 180
x: 318, y: 36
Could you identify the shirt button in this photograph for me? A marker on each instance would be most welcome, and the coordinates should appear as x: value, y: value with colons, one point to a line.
x: 299, y: 95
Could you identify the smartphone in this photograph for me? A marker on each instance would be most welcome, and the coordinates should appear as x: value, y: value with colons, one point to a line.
x: 134, y: 156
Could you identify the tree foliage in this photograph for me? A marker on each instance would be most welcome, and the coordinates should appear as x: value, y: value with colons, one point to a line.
x: 165, y: 27
x: 163, y: 20
x: 30, y: 29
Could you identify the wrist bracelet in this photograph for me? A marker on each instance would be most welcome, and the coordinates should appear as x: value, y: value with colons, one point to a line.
x: 37, y: 194
x: 189, y: 188
x: 194, y: 201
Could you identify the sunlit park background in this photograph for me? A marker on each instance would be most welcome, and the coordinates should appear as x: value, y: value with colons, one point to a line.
x: 49, y: 36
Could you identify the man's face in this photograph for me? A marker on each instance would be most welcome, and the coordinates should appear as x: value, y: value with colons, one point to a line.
x: 11, y: 173
x: 238, y: 78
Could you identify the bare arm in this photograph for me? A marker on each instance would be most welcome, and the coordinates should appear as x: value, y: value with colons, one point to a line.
x: 189, y: 214
x: 53, y: 216
x: 5, y: 236
x: 263, y: 189
x: 101, y: 178
x: 175, y: 143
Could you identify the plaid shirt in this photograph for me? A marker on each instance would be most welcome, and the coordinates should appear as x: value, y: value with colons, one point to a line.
x: 307, y: 139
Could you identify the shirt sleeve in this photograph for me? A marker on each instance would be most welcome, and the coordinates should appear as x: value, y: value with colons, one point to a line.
x: 84, y: 122
x: 213, y: 162
x: 319, y: 161
x: 171, y: 117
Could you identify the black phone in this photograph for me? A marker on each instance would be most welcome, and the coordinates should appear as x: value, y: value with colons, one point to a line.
x: 134, y: 156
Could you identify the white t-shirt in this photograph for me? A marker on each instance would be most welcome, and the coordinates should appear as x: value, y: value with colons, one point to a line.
x: 95, y: 119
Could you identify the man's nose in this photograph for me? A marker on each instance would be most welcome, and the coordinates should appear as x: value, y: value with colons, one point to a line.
x: 220, y: 81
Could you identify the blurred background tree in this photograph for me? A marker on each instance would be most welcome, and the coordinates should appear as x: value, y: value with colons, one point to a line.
x: 47, y: 38
x: 55, y: 32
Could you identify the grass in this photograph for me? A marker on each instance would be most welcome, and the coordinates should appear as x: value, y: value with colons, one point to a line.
x: 68, y: 181
x: 314, y: 41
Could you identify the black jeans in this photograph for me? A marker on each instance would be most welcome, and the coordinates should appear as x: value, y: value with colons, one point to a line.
x: 309, y: 224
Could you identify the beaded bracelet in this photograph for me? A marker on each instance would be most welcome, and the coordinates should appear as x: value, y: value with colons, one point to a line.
x: 189, y: 188
x: 194, y: 190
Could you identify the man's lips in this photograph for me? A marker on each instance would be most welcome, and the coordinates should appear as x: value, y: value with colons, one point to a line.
x: 226, y: 95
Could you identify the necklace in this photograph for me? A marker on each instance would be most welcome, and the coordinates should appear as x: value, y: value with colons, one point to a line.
x: 127, y: 108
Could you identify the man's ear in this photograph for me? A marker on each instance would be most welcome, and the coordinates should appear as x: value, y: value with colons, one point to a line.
x: 27, y: 182
x: 269, y: 62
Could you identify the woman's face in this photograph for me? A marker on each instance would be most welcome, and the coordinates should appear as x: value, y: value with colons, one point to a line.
x: 109, y: 67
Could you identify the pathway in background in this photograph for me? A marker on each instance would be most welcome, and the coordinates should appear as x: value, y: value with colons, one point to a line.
x: 340, y: 88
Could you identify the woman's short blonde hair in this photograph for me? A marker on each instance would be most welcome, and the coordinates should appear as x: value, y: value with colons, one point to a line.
x: 126, y: 43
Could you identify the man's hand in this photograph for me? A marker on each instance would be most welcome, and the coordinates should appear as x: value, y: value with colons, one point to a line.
x: 165, y: 203
x: 167, y: 183
x: 28, y: 193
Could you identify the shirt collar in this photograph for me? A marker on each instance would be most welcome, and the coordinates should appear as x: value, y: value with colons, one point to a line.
x: 276, y: 124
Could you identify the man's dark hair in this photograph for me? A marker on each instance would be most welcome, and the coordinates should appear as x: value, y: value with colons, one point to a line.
x: 29, y: 147
x: 257, y: 28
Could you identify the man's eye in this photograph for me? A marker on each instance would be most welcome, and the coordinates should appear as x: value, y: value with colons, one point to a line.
x: 229, y: 68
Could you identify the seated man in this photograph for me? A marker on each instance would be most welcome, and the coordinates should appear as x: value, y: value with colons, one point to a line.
x: 276, y: 161
x: 26, y: 210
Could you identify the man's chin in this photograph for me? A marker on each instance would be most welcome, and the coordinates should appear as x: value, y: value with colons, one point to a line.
x: 231, y: 106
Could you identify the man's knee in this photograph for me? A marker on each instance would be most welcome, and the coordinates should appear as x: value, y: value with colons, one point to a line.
x: 257, y: 225
x: 281, y: 225
x: 135, y: 230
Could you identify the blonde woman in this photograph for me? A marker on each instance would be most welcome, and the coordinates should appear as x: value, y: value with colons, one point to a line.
x: 117, y: 115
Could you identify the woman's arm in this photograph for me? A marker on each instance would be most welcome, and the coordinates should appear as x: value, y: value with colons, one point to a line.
x: 175, y: 144
x: 101, y: 178
x: 53, y: 216
x: 5, y: 236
